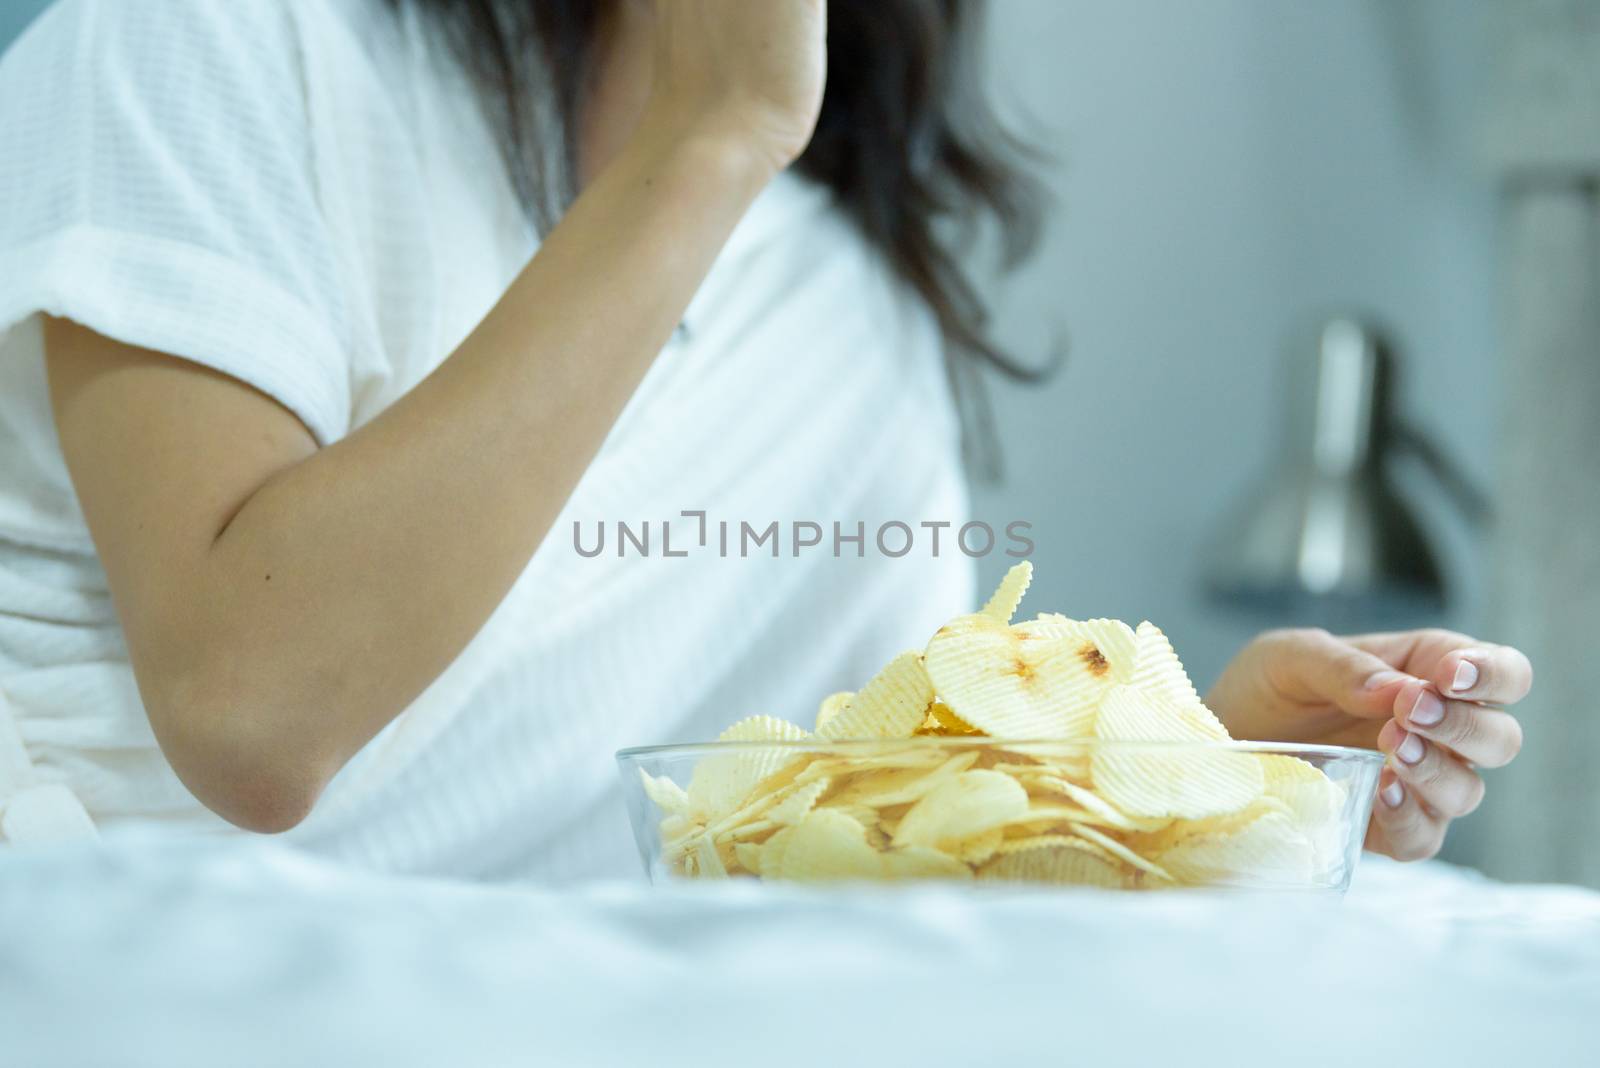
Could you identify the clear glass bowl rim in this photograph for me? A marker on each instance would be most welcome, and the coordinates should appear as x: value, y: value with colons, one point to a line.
x: 801, y: 745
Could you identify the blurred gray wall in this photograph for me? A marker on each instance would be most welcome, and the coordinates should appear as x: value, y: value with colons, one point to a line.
x: 1223, y: 171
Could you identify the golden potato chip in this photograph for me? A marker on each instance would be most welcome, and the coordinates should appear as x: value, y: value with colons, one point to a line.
x: 899, y: 786
x: 707, y: 860
x: 749, y: 856
x: 1121, y: 852
x: 940, y: 720
x: 667, y: 795
x: 1155, y: 843
x: 1018, y: 769
x: 1312, y: 798
x: 832, y: 705
x: 869, y: 759
x: 865, y: 815
x: 1010, y: 688
x: 1046, y: 819
x: 825, y: 845
x: 1313, y: 801
x: 891, y: 705
x: 1157, y: 781
x: 1101, y: 811
x: 1114, y: 638
x: 1157, y: 670
x: 797, y: 803
x: 676, y: 828
x: 1057, y: 859
x: 1003, y: 605
x: 723, y: 780
x: 1066, y: 761
x: 747, y: 832
x: 772, y: 849
x: 975, y: 848
x: 920, y: 862
x: 766, y: 794
x: 968, y: 804
x: 1268, y: 849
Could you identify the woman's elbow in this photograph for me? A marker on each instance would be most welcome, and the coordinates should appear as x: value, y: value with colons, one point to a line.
x: 246, y: 767
x: 264, y: 802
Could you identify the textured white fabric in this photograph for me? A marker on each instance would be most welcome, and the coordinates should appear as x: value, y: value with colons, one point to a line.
x: 201, y: 955
x: 302, y: 195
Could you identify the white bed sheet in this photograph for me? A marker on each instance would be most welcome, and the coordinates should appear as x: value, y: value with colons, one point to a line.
x: 148, y: 951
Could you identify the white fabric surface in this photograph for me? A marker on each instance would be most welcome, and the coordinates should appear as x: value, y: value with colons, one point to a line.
x: 301, y: 195
x: 245, y: 954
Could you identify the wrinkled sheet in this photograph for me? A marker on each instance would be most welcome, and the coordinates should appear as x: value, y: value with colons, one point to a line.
x: 157, y: 952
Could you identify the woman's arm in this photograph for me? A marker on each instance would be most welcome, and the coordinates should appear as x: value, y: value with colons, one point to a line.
x: 282, y: 603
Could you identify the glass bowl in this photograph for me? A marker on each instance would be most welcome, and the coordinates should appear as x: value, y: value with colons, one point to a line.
x: 1110, y: 814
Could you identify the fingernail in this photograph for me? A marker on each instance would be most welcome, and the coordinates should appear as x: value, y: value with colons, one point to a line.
x: 1466, y: 677
x: 1426, y: 710
x: 1385, y: 678
x: 1393, y: 794
x: 1410, y: 750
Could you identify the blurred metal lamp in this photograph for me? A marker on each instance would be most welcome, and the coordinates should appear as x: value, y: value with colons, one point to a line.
x: 1328, y: 540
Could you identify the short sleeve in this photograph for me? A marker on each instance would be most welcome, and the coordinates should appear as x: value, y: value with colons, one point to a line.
x: 157, y: 183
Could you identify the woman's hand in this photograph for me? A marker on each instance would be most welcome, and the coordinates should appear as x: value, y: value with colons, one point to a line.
x: 748, y: 73
x: 1431, y: 699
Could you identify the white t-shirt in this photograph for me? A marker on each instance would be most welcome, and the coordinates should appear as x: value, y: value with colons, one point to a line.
x: 303, y: 195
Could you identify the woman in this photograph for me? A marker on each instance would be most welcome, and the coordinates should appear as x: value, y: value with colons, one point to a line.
x: 310, y: 366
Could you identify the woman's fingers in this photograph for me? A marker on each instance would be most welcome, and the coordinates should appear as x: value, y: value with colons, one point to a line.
x: 1311, y: 665
x: 1459, y: 665
x: 1496, y: 674
x: 1489, y: 737
x: 1401, y: 827
x: 1433, y: 774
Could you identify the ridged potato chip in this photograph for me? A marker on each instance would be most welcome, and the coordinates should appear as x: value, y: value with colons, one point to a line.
x: 1010, y: 688
x: 667, y: 795
x: 900, y: 786
x: 832, y: 705
x: 970, y: 804
x: 1157, y: 670
x: 920, y: 862
x: 975, y: 848
x: 1122, y: 852
x: 1311, y: 796
x: 1067, y: 761
x: 794, y: 806
x: 749, y: 856
x: 941, y: 721
x: 747, y: 832
x: 721, y: 781
x: 1269, y: 848
x: 891, y: 705
x: 1177, y: 782
x: 1314, y: 801
x: 1100, y: 810
x: 707, y: 860
x: 1003, y: 604
x: 1057, y: 859
x: 1114, y: 638
x: 825, y: 845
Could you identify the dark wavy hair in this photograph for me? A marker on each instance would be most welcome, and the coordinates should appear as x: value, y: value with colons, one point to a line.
x: 912, y: 153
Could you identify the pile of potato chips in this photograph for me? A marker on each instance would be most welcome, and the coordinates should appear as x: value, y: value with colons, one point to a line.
x: 1050, y: 750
